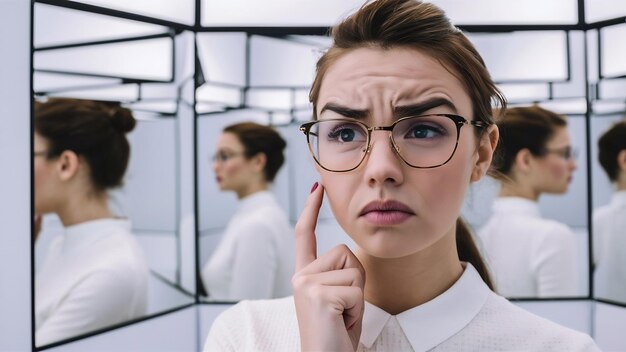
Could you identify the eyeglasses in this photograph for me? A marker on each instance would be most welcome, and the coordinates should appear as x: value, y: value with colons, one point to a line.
x: 425, y: 141
x: 222, y: 157
x: 567, y: 153
x: 40, y: 153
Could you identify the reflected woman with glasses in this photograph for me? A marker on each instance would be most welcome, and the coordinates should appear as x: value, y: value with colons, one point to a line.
x: 403, y: 125
x: 95, y: 274
x: 531, y: 256
x: 255, y: 257
x: 609, y: 221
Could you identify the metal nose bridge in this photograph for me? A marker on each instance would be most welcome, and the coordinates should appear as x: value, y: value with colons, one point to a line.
x: 395, y: 148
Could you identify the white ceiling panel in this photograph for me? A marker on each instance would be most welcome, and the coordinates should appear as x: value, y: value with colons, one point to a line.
x: 57, y: 25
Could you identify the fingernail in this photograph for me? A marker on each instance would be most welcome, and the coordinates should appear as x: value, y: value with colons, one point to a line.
x: 314, y: 187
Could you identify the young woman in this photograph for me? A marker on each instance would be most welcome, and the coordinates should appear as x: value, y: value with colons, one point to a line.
x: 95, y: 275
x: 609, y: 221
x: 403, y: 126
x: 255, y: 257
x: 530, y: 256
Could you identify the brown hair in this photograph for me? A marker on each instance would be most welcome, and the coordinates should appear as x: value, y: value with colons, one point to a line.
x: 611, y: 143
x: 261, y: 139
x: 388, y: 24
x: 523, y: 128
x: 93, y: 130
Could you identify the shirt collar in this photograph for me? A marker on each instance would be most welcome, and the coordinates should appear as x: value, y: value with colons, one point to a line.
x: 619, y: 199
x: 516, y: 206
x: 255, y: 200
x: 86, y: 232
x: 435, y: 321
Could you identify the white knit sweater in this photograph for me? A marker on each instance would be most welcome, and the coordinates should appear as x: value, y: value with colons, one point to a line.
x: 467, y: 317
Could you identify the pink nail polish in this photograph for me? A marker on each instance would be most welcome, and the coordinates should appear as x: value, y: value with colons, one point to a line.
x: 314, y: 187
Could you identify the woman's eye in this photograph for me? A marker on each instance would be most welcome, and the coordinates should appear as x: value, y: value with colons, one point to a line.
x: 344, y: 134
x: 425, y: 131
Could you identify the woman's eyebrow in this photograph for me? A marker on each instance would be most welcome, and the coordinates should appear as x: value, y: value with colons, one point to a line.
x: 345, y: 111
x: 420, y: 108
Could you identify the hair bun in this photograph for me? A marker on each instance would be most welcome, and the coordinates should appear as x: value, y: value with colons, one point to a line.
x: 122, y: 119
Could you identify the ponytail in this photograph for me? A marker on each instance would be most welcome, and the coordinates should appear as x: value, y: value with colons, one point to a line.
x: 468, y: 252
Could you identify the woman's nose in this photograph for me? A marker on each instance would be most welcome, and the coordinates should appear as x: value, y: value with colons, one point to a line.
x: 383, y: 165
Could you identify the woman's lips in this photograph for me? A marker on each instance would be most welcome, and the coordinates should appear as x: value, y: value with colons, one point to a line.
x: 389, y: 212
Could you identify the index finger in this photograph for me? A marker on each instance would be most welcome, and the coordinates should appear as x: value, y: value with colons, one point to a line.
x: 306, y: 243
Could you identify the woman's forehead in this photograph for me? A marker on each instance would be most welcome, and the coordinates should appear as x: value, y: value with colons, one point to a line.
x: 393, y: 75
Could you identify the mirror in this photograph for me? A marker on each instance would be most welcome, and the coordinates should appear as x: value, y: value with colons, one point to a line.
x: 250, y: 81
x: 558, y: 85
x: 135, y: 256
x: 608, y: 145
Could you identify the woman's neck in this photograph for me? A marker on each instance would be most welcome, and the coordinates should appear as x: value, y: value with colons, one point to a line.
x: 513, y: 189
x: 396, y: 285
x: 251, y: 188
x: 84, y: 208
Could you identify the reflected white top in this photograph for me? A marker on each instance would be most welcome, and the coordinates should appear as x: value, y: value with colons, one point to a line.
x: 255, y: 258
x: 529, y: 256
x: 94, y: 276
x: 467, y: 317
x: 609, y: 249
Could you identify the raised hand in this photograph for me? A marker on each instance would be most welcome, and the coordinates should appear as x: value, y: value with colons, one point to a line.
x: 328, y: 291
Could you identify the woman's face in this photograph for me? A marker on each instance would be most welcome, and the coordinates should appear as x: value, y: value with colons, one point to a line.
x: 378, y: 82
x: 232, y: 170
x: 44, y: 173
x: 554, y: 170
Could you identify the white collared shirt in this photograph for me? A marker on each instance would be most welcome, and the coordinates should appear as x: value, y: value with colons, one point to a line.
x: 529, y: 256
x: 255, y: 259
x: 467, y: 317
x: 94, y: 276
x: 609, y: 249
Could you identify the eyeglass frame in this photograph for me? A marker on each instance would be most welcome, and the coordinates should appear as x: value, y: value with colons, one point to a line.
x: 216, y: 159
x: 573, y: 152
x: 457, y: 119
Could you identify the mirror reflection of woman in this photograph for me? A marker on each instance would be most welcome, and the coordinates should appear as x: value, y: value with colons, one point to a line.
x: 255, y: 257
x: 95, y: 274
x: 531, y: 256
x: 609, y: 221
x: 392, y: 97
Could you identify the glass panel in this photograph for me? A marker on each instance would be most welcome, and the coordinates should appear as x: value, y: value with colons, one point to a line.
x: 326, y: 12
x: 612, y: 89
x: 544, y: 51
x: 145, y: 227
x: 215, y: 94
x: 609, y: 206
x: 525, y: 93
x: 272, y: 13
x: 302, y: 99
x: 600, y: 10
x: 45, y: 82
x: 58, y: 25
x: 125, y: 93
x: 223, y: 57
x: 181, y: 11
x: 575, y: 87
x: 613, y: 51
x: 561, y: 207
x: 279, y: 62
x: 563, y: 106
x: 510, y: 12
x: 124, y: 60
x: 269, y: 98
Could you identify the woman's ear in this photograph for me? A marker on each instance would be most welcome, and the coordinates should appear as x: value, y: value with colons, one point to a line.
x: 485, y: 150
x: 523, y: 160
x: 260, y: 160
x: 68, y: 165
x: 621, y: 160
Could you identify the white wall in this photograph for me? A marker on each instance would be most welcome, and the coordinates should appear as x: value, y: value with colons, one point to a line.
x: 610, y: 323
x: 172, y: 332
x: 15, y: 156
